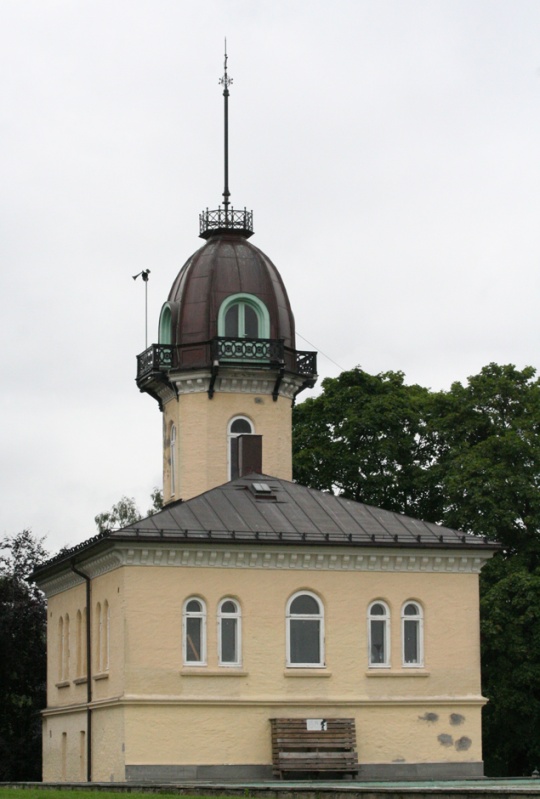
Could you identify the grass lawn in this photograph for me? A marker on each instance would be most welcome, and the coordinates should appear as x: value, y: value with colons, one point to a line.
x: 56, y: 793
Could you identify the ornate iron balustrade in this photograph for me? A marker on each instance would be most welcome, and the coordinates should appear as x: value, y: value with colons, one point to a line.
x: 306, y: 362
x: 257, y: 351
x: 157, y: 357
x: 224, y: 219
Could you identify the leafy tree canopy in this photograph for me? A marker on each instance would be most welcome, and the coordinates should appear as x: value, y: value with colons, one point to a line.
x: 23, y: 661
x: 125, y: 512
x: 469, y: 458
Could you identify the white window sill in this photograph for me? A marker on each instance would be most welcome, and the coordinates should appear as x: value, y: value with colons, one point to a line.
x: 80, y: 680
x: 418, y: 672
x: 102, y: 675
x: 303, y: 672
x: 63, y: 684
x: 227, y: 671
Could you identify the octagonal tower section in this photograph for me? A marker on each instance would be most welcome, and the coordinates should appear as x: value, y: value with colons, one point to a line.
x: 225, y: 371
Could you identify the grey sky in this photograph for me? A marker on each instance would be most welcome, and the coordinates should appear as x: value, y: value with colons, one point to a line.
x: 389, y: 151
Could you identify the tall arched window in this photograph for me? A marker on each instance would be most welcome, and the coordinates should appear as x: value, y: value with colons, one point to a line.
x: 165, y: 325
x: 238, y: 426
x: 79, y: 666
x: 61, y: 644
x: 243, y: 316
x: 106, y: 636
x: 194, y: 632
x: 99, y: 637
x: 229, y: 633
x: 65, y: 667
x: 379, y: 634
x: 305, y: 630
x: 172, y: 456
x: 412, y: 634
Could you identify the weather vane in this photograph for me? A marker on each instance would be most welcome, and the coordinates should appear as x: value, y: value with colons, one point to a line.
x: 225, y: 81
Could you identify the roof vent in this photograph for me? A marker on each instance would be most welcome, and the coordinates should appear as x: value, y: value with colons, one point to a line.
x: 262, y: 490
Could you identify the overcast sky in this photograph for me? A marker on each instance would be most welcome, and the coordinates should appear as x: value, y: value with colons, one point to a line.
x: 390, y: 152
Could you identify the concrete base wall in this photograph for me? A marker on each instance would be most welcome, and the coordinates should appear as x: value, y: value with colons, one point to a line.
x: 248, y: 773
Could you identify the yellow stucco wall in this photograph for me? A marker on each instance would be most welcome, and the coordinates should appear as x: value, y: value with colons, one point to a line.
x: 201, y: 426
x: 151, y: 709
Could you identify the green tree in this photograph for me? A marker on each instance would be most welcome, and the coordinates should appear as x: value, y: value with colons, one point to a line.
x: 366, y: 438
x: 125, y: 512
x: 468, y: 458
x: 23, y: 660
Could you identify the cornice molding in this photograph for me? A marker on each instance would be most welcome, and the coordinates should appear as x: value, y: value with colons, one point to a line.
x: 232, y: 380
x: 186, y: 555
x: 270, y: 701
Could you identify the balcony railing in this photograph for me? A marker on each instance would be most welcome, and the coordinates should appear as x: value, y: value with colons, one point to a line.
x: 223, y: 220
x: 256, y: 353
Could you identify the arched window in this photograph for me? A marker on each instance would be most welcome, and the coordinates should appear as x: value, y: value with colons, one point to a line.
x: 305, y: 631
x: 99, y: 637
x: 106, y: 636
x: 172, y: 457
x: 229, y: 633
x: 65, y: 667
x: 61, y: 644
x: 165, y: 325
x: 238, y: 426
x: 243, y: 316
x: 194, y: 637
x: 79, y: 666
x: 379, y: 634
x: 412, y: 634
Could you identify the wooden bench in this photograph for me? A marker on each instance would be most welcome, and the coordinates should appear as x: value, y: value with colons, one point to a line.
x: 314, y: 745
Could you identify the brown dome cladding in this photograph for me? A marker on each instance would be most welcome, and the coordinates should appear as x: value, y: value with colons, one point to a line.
x: 227, y: 264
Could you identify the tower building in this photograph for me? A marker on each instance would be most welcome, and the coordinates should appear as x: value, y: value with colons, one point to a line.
x: 226, y: 365
x: 255, y: 627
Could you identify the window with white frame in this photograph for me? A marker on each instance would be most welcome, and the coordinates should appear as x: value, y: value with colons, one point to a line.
x: 229, y: 633
x: 238, y: 426
x: 194, y: 632
x: 243, y: 316
x: 379, y: 634
x: 412, y: 629
x: 305, y: 630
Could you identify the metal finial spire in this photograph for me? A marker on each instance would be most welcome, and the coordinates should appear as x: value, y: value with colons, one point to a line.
x: 226, y: 220
x: 225, y: 81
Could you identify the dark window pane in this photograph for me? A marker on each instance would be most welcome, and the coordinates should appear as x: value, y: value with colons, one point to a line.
x: 378, y: 654
x: 305, y: 604
x: 378, y: 610
x: 305, y: 645
x: 228, y: 607
x: 231, y: 322
x: 410, y: 644
x: 410, y: 610
x: 228, y: 641
x: 193, y: 639
x: 235, y: 471
x: 241, y: 426
x: 194, y: 606
x: 251, y: 322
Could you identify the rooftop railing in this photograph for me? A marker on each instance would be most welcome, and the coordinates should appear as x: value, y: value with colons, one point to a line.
x: 255, y: 353
x: 224, y: 220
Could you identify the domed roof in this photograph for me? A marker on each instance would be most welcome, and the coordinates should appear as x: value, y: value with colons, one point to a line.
x: 226, y: 265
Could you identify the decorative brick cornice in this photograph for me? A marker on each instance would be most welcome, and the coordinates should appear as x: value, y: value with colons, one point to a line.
x: 314, y: 558
x: 237, y: 381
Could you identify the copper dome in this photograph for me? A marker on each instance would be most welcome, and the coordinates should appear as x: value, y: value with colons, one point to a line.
x: 226, y: 265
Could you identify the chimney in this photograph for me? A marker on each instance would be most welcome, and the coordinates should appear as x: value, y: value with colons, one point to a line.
x: 249, y: 455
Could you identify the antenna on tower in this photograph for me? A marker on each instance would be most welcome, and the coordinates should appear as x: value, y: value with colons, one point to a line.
x: 225, y: 81
x: 145, y: 274
x: 226, y: 219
